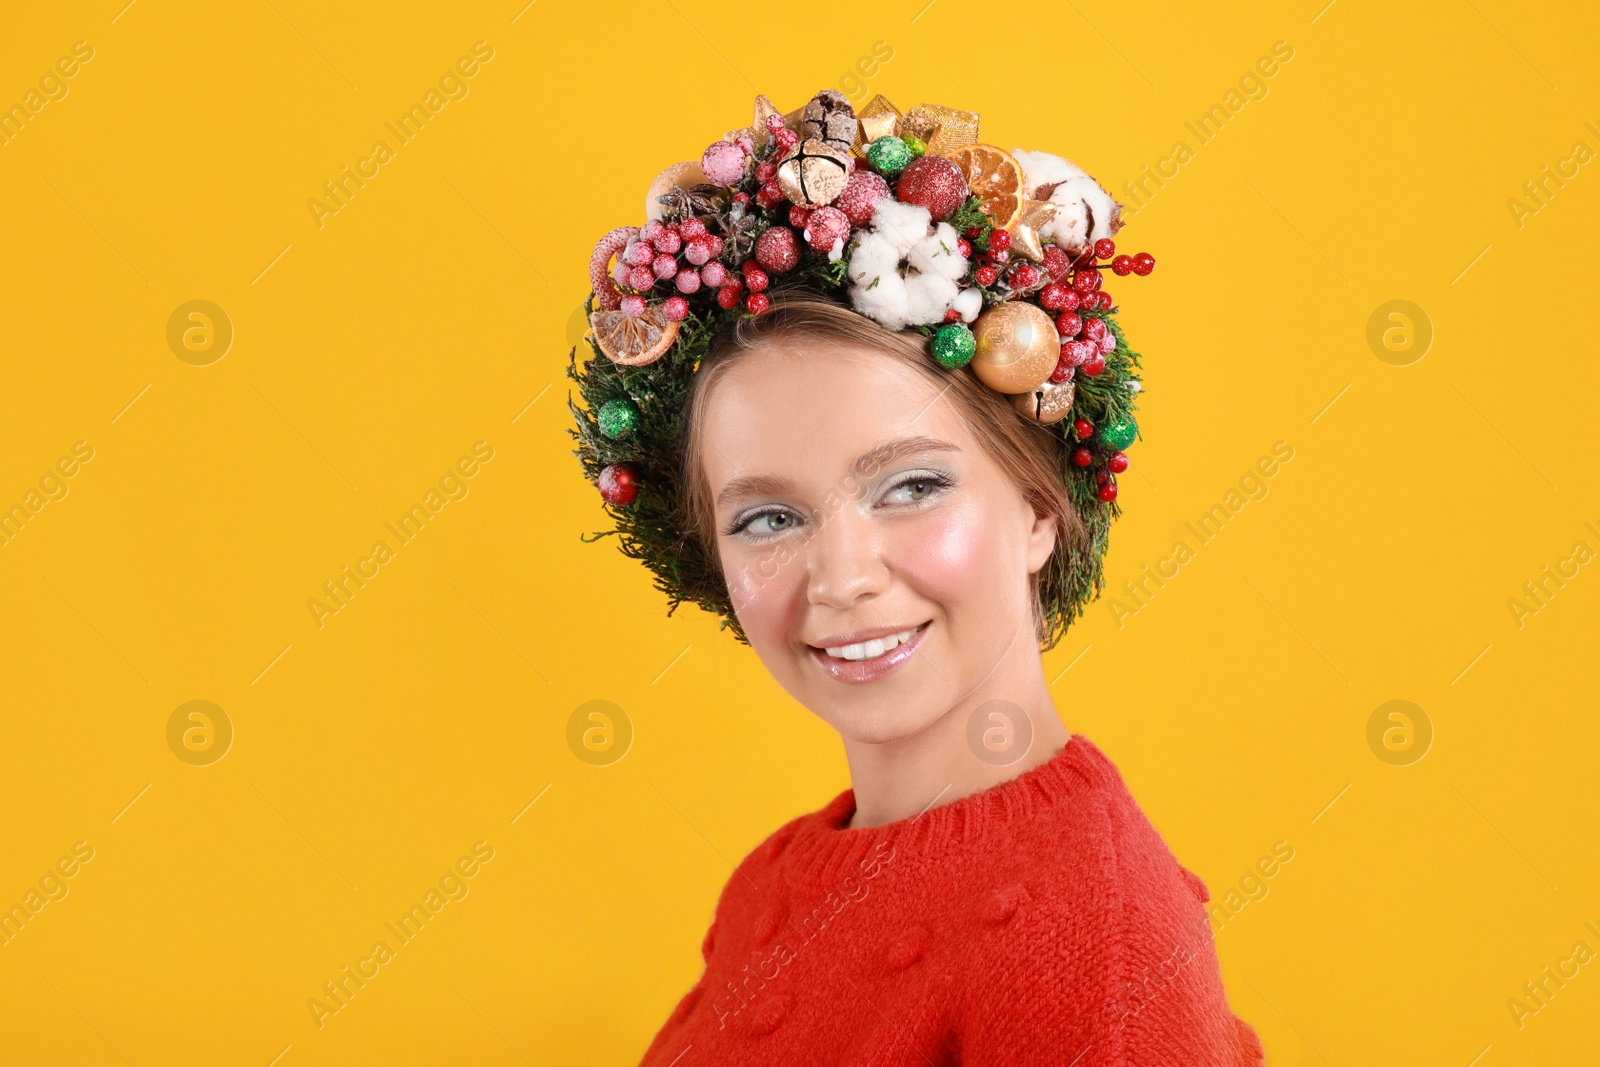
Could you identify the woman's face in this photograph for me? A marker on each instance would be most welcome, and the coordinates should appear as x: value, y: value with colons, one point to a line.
x: 853, y: 503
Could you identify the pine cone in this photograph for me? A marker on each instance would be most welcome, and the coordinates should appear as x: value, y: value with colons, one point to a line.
x: 829, y: 117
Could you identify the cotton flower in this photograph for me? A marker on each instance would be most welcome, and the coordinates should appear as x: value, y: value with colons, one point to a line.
x: 905, y: 269
x: 1085, y: 212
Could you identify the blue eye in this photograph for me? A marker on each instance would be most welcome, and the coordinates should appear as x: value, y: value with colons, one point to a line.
x: 921, y: 487
x: 783, y: 519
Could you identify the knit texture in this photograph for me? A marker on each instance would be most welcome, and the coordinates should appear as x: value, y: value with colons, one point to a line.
x: 1040, y: 921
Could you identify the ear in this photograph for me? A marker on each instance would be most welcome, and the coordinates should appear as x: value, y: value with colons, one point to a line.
x: 1041, y: 540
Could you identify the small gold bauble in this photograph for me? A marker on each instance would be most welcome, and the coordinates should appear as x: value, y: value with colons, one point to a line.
x: 814, y: 173
x: 1050, y: 402
x: 1017, y: 347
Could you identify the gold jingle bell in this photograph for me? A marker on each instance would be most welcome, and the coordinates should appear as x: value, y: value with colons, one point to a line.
x: 1017, y: 349
x: 814, y: 173
x: 1049, y: 403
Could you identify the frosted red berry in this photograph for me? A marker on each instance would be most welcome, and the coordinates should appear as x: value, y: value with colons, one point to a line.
x: 1094, y: 365
x: 1107, y: 492
x: 728, y: 297
x: 1122, y: 266
x: 633, y: 306
x: 714, y: 274
x: 1068, y: 324
x: 1143, y: 264
x: 691, y: 227
x: 754, y: 277
x: 618, y: 484
x: 1105, y: 248
x: 675, y: 308
x: 669, y: 242
x: 1118, y: 462
x: 1053, y: 297
x: 999, y: 240
x: 1082, y: 457
x: 688, y: 280
x: 1025, y: 276
x: 986, y: 275
x: 756, y: 303
x: 798, y: 216
x: 1057, y: 263
x: 778, y: 250
x: 1082, y: 429
x: 641, y: 277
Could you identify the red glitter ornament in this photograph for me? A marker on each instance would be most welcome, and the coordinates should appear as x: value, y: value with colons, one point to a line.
x: 861, y: 195
x: 778, y: 250
x: 1057, y: 263
x: 618, y: 484
x: 827, y: 228
x: 935, y: 183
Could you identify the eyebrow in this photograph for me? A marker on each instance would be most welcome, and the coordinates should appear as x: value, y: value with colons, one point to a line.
x: 879, y: 455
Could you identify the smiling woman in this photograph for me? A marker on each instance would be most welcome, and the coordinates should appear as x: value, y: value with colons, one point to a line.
x: 882, y: 502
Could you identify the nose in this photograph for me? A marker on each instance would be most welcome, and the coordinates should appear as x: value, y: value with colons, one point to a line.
x: 844, y: 560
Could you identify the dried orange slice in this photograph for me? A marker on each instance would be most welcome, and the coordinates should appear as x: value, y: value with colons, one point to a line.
x: 995, y: 177
x: 632, y: 342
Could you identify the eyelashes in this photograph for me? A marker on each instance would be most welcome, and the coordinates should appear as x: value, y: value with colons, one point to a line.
x: 937, y: 482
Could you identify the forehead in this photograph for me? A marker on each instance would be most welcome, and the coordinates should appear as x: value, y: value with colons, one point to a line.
x: 799, y: 409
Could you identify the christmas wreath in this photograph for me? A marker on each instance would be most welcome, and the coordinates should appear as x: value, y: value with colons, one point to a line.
x: 998, y: 257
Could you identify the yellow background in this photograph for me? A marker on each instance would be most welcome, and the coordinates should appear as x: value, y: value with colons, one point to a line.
x: 430, y: 312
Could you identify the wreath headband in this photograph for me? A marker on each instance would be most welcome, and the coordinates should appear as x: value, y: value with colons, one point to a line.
x: 998, y: 257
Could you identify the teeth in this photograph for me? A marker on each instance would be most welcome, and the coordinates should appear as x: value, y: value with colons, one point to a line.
x: 876, y: 647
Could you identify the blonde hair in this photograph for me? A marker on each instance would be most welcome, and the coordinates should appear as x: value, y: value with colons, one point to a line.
x: 1031, y: 455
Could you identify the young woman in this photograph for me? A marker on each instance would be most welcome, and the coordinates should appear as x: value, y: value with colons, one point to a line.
x: 897, y: 532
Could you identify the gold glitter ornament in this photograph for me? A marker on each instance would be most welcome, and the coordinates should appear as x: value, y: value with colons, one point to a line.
x: 954, y: 128
x: 1049, y: 403
x: 813, y: 173
x: 1018, y: 347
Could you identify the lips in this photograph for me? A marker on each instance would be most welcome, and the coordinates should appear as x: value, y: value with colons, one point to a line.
x: 875, y: 658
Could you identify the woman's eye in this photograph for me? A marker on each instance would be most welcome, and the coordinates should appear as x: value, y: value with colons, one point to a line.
x: 913, y: 490
x: 772, y: 522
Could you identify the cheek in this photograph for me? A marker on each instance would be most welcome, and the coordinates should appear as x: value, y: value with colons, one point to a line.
x: 954, y: 555
x: 765, y: 588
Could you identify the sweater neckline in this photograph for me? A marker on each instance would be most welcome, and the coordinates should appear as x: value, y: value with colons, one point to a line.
x: 819, y: 850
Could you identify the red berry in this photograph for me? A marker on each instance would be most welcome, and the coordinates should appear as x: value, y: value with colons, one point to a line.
x: 756, y: 303
x: 690, y: 228
x: 1094, y: 365
x: 698, y: 251
x: 1101, y: 477
x: 974, y: 231
x: 1105, y: 248
x: 1082, y: 457
x: 1107, y: 492
x: 1103, y: 299
x: 641, y: 277
x: 1082, y: 281
x: 786, y: 139
x: 741, y: 198
x: 675, y: 308
x: 774, y: 123
x: 1025, y: 276
x: 1143, y: 264
x: 664, y: 267
x: 634, y: 306
x: 1094, y: 329
x: 999, y: 240
x: 798, y: 216
x: 714, y: 274
x: 1064, y: 370
x: 1057, y: 262
x: 1082, y: 429
x: 640, y: 253
x: 754, y: 277
x: 770, y: 196
x: 986, y: 275
x: 952, y: 315
x: 964, y: 246
x: 778, y: 250
x: 728, y: 297
x: 688, y: 280
x: 1122, y: 266
x: 669, y: 242
x: 1053, y: 297
x: 1118, y: 462
x: 618, y: 484
x: 766, y: 172
x: 1068, y: 324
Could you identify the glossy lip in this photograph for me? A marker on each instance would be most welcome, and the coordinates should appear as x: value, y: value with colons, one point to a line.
x: 859, y: 672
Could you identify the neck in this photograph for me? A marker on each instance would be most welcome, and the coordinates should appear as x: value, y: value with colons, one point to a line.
x: 899, y: 779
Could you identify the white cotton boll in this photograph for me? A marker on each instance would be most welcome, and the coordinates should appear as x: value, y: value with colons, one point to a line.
x: 903, y: 225
x: 1069, y: 224
x: 1085, y: 212
x: 968, y: 304
x: 1042, y: 168
x: 933, y: 255
x: 873, y: 256
x: 928, y: 296
x: 883, y: 302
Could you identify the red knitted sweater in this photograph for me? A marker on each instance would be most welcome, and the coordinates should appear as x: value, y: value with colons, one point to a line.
x: 1040, y: 921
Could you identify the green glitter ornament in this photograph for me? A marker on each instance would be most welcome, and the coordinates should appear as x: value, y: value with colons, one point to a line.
x: 888, y: 155
x: 1118, y: 435
x: 618, y: 418
x: 953, y: 346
